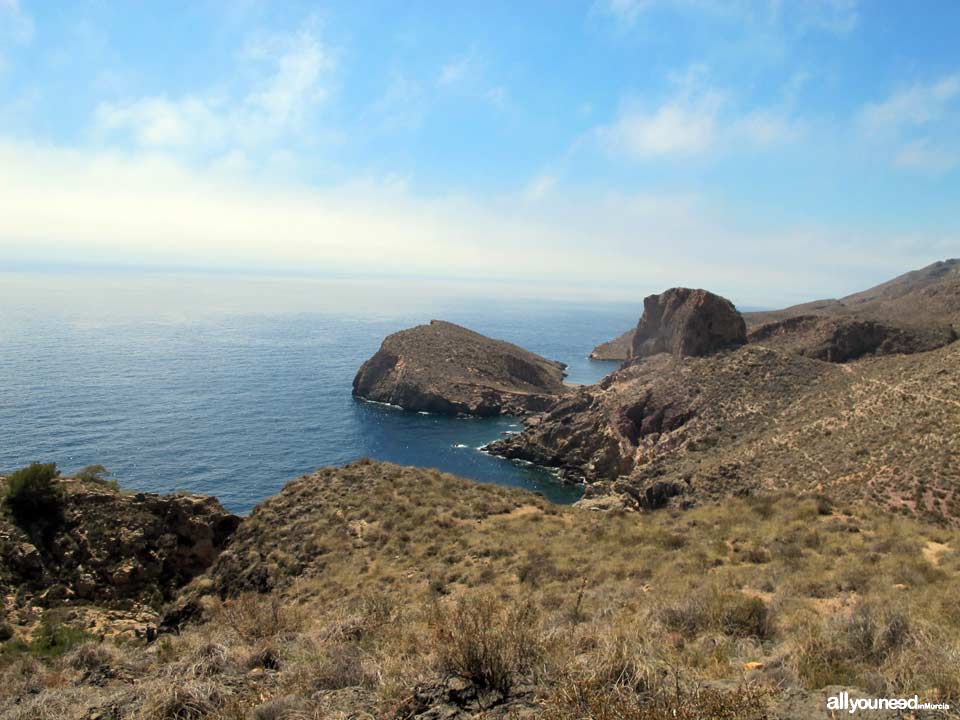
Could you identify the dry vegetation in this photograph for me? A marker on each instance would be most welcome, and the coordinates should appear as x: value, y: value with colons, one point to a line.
x: 399, y: 592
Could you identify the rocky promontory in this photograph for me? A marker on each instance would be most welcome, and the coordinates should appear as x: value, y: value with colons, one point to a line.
x: 687, y: 322
x: 680, y: 321
x: 98, y: 543
x: 447, y: 369
x: 914, y: 312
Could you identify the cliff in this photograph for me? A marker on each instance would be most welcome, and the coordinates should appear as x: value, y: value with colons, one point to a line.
x: 913, y: 312
x: 706, y: 428
x: 447, y: 369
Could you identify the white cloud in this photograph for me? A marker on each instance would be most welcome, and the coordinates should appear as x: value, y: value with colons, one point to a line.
x: 911, y: 107
x: 540, y: 187
x: 456, y: 71
x: 693, y: 121
x: 15, y: 24
x: 74, y: 206
x: 834, y: 16
x: 626, y: 11
x: 917, y: 126
x: 923, y: 155
x: 765, y: 128
x: 681, y: 126
x: 298, y: 68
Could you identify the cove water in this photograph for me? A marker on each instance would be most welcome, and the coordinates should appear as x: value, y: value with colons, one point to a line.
x: 234, y: 386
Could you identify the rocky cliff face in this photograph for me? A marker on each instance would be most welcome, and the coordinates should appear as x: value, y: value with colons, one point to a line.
x: 664, y: 429
x: 914, y: 312
x: 447, y: 369
x: 616, y: 349
x: 687, y: 322
x: 114, y: 547
x: 843, y: 339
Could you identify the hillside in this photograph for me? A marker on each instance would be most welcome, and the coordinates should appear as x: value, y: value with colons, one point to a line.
x: 885, y: 431
x: 921, y: 304
x: 390, y: 592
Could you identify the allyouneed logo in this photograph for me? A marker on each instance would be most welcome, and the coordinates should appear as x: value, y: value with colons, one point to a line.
x: 843, y: 701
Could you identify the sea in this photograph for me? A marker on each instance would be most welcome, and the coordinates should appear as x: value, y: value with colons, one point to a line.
x: 234, y: 385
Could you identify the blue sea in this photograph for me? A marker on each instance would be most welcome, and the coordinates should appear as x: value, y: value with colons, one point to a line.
x: 232, y: 386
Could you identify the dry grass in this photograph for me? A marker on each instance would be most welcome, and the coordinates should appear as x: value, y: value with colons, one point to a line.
x: 711, y: 612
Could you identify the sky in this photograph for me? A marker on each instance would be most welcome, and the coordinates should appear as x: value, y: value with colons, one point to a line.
x: 771, y: 150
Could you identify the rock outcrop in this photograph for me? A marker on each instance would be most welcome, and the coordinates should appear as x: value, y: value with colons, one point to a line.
x: 114, y: 547
x: 914, y: 312
x: 676, y: 431
x: 687, y: 322
x: 447, y: 369
x: 616, y: 349
x: 841, y: 339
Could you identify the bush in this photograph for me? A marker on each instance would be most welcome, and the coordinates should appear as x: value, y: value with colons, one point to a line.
x: 487, y: 642
x: 33, y: 493
x: 98, y: 474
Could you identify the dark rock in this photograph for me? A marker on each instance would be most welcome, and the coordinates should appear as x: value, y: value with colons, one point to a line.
x: 112, y: 547
x: 840, y: 339
x: 687, y: 322
x: 447, y: 369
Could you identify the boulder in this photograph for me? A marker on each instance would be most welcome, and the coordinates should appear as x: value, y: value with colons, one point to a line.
x: 447, y: 369
x: 685, y: 322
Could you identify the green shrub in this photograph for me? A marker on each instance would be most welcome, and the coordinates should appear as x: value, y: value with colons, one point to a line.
x: 34, y: 495
x: 98, y: 474
x: 54, y: 638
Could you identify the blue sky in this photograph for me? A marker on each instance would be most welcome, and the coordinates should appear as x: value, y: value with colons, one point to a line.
x: 771, y: 150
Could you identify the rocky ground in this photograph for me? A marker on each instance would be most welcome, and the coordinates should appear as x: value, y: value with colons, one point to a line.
x: 447, y: 369
x: 885, y: 431
x: 379, y: 591
x: 860, y: 409
x: 112, y: 559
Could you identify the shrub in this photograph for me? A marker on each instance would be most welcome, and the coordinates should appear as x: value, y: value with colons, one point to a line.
x: 98, y: 474
x: 54, y: 638
x: 745, y: 617
x: 34, y: 495
x: 485, y: 641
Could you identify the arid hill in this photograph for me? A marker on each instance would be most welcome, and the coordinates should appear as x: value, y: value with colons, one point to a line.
x: 882, y: 430
x: 379, y: 591
x: 448, y: 369
x: 911, y: 313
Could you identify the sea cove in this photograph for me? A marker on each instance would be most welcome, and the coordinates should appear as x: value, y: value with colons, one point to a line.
x: 232, y: 386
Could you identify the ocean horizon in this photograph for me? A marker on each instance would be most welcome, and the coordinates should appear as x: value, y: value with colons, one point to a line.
x: 233, y: 386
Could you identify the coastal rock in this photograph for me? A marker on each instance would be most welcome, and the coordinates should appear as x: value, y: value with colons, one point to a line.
x: 669, y: 431
x: 687, y: 322
x: 847, y: 338
x: 447, y: 369
x: 923, y: 305
x: 616, y: 349
x: 115, y: 547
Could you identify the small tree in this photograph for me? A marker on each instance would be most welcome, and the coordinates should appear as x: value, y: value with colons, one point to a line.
x: 34, y: 496
x: 98, y: 474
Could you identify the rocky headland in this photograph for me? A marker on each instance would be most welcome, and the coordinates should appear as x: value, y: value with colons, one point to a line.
x: 780, y: 411
x: 685, y: 322
x: 914, y: 312
x: 447, y: 369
